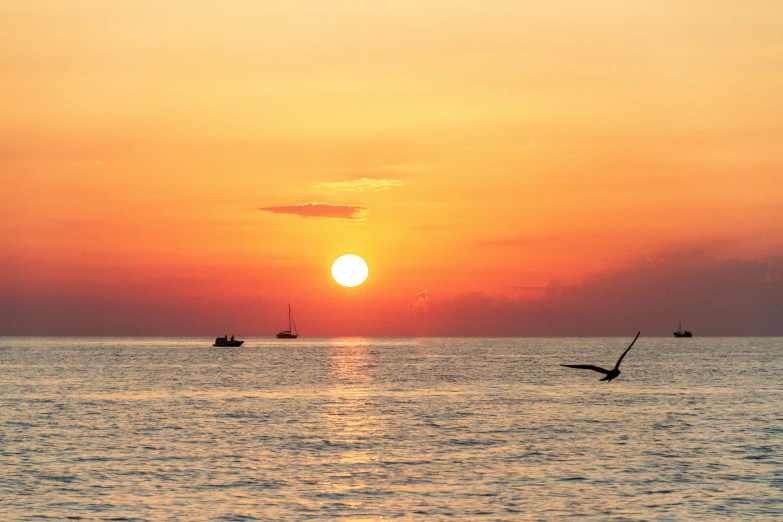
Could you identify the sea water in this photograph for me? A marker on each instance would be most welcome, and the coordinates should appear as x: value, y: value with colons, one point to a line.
x: 380, y: 429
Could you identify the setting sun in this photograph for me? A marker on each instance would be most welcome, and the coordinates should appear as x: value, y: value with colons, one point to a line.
x: 350, y: 270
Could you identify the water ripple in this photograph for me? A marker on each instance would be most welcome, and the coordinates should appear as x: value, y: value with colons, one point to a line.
x: 374, y: 429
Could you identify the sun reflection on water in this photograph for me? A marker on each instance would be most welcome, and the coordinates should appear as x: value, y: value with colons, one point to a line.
x: 350, y: 418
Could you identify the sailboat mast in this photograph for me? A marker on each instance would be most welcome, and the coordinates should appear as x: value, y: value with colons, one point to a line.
x: 289, y: 317
x: 294, y: 324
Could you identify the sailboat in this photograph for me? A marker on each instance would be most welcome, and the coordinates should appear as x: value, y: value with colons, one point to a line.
x: 682, y: 333
x: 286, y: 334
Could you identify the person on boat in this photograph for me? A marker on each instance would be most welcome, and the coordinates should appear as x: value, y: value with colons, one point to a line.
x: 232, y: 338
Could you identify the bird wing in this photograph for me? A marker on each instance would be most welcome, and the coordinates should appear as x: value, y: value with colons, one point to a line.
x: 587, y: 367
x: 626, y: 351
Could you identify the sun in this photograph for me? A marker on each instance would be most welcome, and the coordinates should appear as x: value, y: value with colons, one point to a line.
x: 349, y: 270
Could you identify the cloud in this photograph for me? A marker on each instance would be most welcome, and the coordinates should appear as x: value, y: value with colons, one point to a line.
x: 361, y: 185
x: 549, y: 289
x: 729, y: 297
x: 320, y: 210
x: 553, y: 287
x: 418, y: 308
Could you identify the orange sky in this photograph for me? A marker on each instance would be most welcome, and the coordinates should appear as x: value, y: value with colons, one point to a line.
x: 494, y: 148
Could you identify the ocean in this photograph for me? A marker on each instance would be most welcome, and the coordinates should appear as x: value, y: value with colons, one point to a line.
x: 380, y: 429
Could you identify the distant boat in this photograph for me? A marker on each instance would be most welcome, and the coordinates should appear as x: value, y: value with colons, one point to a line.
x: 225, y: 341
x: 286, y: 334
x: 682, y: 333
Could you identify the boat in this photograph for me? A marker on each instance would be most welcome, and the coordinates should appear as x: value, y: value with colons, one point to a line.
x: 225, y: 341
x: 682, y: 333
x: 287, y: 334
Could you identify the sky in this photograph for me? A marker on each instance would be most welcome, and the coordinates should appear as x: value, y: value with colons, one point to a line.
x: 504, y: 167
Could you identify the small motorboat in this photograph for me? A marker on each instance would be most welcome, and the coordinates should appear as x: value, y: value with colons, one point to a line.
x: 225, y: 341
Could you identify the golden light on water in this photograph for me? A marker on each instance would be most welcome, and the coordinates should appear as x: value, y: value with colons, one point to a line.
x: 351, y: 419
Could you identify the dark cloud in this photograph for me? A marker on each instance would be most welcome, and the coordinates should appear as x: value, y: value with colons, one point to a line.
x: 320, y: 210
x: 712, y: 298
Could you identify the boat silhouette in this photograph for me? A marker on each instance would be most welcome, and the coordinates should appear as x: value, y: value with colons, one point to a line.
x: 682, y: 333
x: 290, y: 333
x: 225, y: 341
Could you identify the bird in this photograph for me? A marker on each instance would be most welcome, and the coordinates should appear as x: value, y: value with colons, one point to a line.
x: 610, y: 374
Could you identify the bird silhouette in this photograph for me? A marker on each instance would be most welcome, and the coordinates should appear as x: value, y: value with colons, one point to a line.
x: 610, y: 374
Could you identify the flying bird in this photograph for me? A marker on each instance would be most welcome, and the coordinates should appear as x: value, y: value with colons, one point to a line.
x: 610, y: 374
